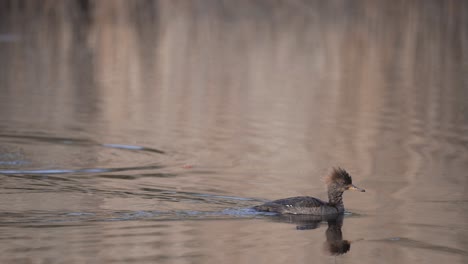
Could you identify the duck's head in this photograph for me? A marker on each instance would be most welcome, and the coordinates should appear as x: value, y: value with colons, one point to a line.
x: 340, y: 180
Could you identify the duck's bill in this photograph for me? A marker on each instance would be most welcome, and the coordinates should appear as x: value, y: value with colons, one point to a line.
x: 355, y: 188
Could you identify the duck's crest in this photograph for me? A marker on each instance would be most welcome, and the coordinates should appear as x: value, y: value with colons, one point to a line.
x: 338, y: 175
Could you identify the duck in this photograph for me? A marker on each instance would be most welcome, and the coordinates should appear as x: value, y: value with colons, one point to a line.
x: 338, y: 181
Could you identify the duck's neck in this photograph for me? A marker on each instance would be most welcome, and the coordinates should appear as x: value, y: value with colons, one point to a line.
x: 335, y: 198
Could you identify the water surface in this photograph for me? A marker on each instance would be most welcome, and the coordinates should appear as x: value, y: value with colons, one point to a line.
x: 143, y: 132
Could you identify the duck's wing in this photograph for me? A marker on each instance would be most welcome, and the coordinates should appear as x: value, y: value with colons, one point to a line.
x: 294, y: 205
x: 300, y: 201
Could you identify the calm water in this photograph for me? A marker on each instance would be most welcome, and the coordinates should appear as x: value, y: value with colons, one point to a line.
x: 142, y: 132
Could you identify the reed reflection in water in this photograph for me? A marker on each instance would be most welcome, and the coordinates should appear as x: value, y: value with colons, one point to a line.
x: 142, y: 131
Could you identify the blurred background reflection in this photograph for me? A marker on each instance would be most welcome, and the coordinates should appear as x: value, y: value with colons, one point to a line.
x: 124, y: 122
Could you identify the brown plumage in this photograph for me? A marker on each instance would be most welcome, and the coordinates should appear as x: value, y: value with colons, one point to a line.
x: 338, y: 175
x: 337, y: 182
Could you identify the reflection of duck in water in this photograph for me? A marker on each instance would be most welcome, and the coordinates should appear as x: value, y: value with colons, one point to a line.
x: 335, y: 245
x: 337, y: 182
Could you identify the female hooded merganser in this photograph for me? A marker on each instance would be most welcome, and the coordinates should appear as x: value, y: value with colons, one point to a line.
x: 337, y: 182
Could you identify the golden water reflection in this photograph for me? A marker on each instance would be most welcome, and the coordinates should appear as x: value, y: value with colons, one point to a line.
x: 262, y: 98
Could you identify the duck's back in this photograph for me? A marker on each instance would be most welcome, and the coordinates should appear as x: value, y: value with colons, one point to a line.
x: 298, y: 205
